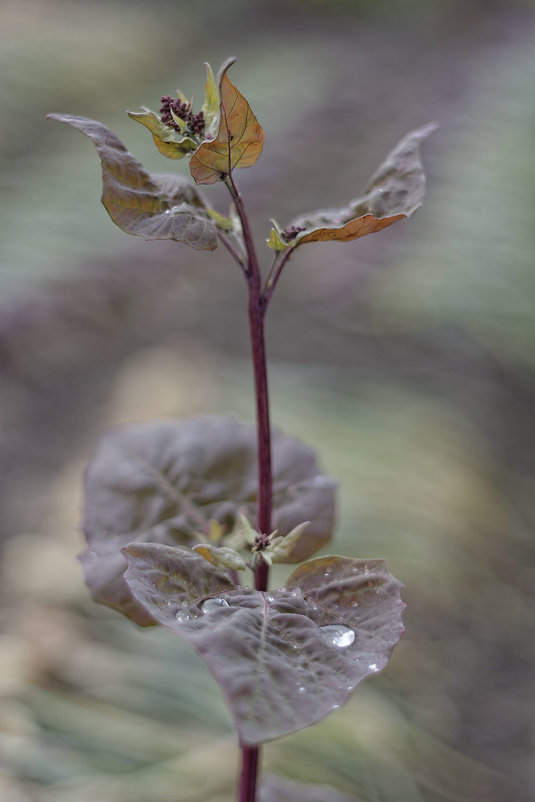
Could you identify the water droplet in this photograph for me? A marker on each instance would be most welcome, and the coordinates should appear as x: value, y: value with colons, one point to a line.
x: 373, y: 667
x: 337, y: 635
x: 296, y: 593
x: 301, y: 689
x: 168, y: 211
x: 210, y: 605
x: 181, y: 616
x: 270, y: 598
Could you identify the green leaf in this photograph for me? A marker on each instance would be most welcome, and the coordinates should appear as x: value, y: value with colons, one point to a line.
x: 239, y: 140
x: 395, y: 191
x: 223, y: 223
x: 170, y: 143
x: 275, y: 241
x: 280, y: 548
x: 284, y: 659
x: 210, y: 108
x: 221, y: 556
x: 149, y: 206
x: 162, y: 482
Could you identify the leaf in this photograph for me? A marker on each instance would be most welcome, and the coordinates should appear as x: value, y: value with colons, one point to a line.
x: 220, y: 556
x: 149, y: 206
x: 239, y: 140
x: 275, y: 241
x: 210, y: 108
x: 280, y: 789
x: 280, y: 548
x: 170, y: 143
x: 274, y: 654
x: 162, y: 482
x: 395, y: 191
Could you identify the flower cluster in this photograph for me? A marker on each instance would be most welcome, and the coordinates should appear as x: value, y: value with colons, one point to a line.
x: 178, y: 108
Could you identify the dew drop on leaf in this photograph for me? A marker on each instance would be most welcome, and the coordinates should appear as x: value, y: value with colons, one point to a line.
x: 337, y: 635
x: 211, y: 605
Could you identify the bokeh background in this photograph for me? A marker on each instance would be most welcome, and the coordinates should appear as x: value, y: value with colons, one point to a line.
x: 407, y: 359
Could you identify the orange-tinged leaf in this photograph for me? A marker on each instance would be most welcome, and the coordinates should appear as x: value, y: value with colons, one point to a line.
x: 351, y: 230
x: 395, y: 191
x: 239, y: 140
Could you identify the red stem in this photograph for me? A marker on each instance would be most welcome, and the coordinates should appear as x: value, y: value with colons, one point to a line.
x: 249, y: 774
x: 256, y: 309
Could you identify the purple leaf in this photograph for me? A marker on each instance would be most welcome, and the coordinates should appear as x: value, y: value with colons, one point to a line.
x: 149, y: 206
x: 285, y: 658
x: 161, y: 482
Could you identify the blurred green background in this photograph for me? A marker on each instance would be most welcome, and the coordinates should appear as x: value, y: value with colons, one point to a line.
x: 407, y: 359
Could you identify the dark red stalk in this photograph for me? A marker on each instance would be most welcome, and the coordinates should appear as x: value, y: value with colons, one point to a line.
x: 256, y: 309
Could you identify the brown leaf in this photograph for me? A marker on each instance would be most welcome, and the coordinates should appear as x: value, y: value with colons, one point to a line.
x: 395, y: 191
x: 354, y: 229
x: 149, y: 206
x: 239, y: 140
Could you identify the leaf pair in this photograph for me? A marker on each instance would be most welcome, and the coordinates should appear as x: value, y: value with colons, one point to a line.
x: 285, y: 658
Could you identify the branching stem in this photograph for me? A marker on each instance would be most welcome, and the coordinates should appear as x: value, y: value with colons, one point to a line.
x: 256, y: 310
x: 275, y: 275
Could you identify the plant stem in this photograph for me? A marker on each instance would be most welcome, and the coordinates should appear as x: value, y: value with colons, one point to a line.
x: 256, y: 325
x: 250, y: 756
x: 256, y: 311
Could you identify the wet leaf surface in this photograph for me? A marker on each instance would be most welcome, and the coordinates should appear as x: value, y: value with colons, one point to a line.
x: 149, y: 206
x: 162, y: 482
x: 239, y: 141
x: 285, y: 658
x: 395, y: 191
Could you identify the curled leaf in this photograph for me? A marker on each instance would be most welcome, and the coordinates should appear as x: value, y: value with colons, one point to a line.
x: 221, y: 556
x: 395, y: 191
x: 170, y: 143
x: 164, y: 481
x: 239, y: 140
x: 286, y: 658
x: 276, y: 241
x: 149, y: 206
x: 210, y: 108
